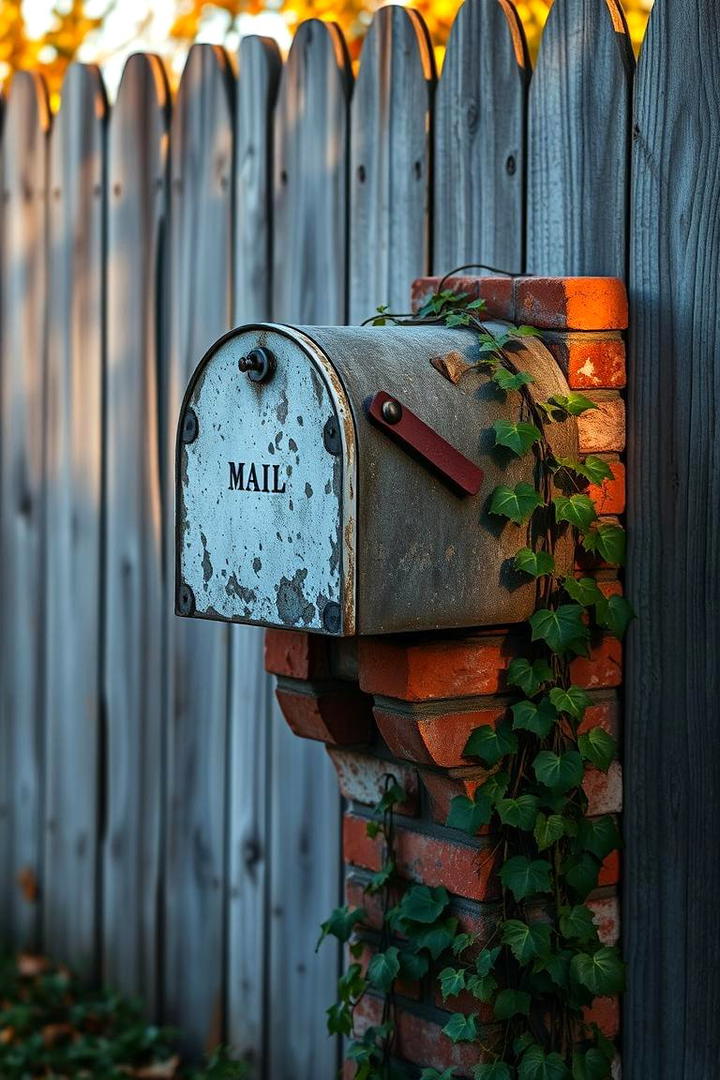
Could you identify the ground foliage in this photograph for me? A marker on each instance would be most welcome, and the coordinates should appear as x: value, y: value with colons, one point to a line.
x: 52, y: 1027
x: 544, y: 963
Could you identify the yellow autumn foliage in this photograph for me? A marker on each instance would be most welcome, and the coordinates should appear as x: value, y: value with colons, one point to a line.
x: 70, y: 26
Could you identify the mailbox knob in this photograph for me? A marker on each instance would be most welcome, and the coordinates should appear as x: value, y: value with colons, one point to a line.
x: 392, y: 411
x: 258, y: 365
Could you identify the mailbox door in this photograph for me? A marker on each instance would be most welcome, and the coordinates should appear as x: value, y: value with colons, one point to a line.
x: 266, y: 489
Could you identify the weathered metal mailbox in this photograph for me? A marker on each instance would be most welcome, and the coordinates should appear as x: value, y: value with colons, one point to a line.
x: 337, y: 480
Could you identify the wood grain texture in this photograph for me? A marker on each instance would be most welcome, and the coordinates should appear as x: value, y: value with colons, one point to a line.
x: 73, y: 495
x: 579, y: 129
x: 250, y: 688
x: 672, y: 761
x: 479, y: 140
x: 23, y: 292
x: 390, y: 162
x: 310, y: 178
x: 309, y: 286
x: 133, y: 608
x: 199, y: 310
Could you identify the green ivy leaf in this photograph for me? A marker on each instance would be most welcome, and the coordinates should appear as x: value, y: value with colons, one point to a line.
x: 351, y: 983
x: 577, y: 510
x: 594, y: 468
x: 339, y: 1019
x: 457, y: 318
x: 577, y: 924
x: 591, y: 1065
x: 519, y: 813
x: 460, y: 1028
x: 383, y: 969
x: 433, y: 1074
x: 470, y: 814
x: 597, y: 747
x: 526, y: 877
x: 482, y: 987
x: 516, y: 435
x: 436, y: 939
x: 491, y: 744
x: 495, y: 786
x: 423, y: 904
x: 413, y: 965
x: 379, y: 880
x: 584, y: 591
x: 526, y: 941
x: 372, y: 829
x: 563, y: 630
x: 607, y: 541
x: 548, y: 830
x: 581, y: 873
x: 534, y: 563
x: 462, y: 943
x: 486, y: 960
x: 511, y: 1003
x: 537, y: 1065
x: 599, y: 836
x: 557, y: 966
x: 573, y: 403
x: 559, y: 772
x: 340, y: 924
x: 452, y: 982
x: 528, y: 677
x: 391, y: 798
x: 517, y: 504
x: 507, y: 381
x: 573, y: 701
x: 615, y: 614
x: 539, y: 719
x: 601, y: 972
x: 497, y: 1071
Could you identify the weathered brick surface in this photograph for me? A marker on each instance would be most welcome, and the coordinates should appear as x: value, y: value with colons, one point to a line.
x: 296, y: 655
x: 362, y: 778
x: 609, y: 496
x: 589, y: 361
x: 332, y: 716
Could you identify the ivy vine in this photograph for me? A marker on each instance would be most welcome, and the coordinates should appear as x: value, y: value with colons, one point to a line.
x: 544, y: 963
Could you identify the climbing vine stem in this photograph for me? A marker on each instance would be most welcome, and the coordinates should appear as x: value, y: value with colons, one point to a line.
x: 543, y: 964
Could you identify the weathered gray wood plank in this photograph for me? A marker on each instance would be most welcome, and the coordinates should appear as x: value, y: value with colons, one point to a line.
x: 309, y: 286
x: 672, y: 761
x: 390, y: 162
x: 579, y: 129
x: 23, y: 293
x: 73, y: 515
x: 133, y: 612
x: 479, y: 140
x: 310, y: 178
x: 250, y: 688
x: 199, y: 310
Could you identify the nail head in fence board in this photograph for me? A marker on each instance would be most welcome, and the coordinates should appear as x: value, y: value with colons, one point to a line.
x: 23, y: 293
x: 76, y: 224
x: 390, y: 162
x: 250, y: 688
x: 578, y: 142
x: 200, y: 296
x: 479, y: 139
x: 310, y: 178
x: 672, y: 760
x: 133, y: 615
x: 309, y: 286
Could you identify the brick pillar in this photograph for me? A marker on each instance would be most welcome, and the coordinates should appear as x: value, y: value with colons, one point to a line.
x: 407, y: 705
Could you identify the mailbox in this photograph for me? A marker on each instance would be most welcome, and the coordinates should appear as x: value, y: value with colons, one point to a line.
x: 337, y: 480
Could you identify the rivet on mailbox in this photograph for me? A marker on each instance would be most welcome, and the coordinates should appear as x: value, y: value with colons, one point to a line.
x: 332, y: 479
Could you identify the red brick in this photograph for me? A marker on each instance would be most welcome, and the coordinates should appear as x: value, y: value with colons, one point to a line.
x: 606, y: 914
x: 497, y: 292
x: 296, y: 655
x: 589, y: 361
x: 472, y: 919
x: 465, y: 871
x: 344, y: 719
x: 609, y: 496
x: 442, y: 789
x: 610, y: 870
x: 437, y: 738
x: 602, y: 430
x: 603, y: 668
x: 605, y: 1012
x: 421, y: 671
x: 571, y: 303
x: 363, y: 778
x: 604, y: 790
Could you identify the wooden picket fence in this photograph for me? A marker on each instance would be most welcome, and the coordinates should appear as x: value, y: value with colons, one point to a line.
x: 159, y: 827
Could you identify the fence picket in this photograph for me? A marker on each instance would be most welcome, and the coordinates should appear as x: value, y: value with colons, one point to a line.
x: 133, y: 614
x: 672, y: 814
x: 390, y: 162
x: 23, y: 295
x: 250, y: 688
x: 479, y: 140
x: 76, y: 220
x: 309, y: 286
x: 199, y: 310
x: 579, y: 131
